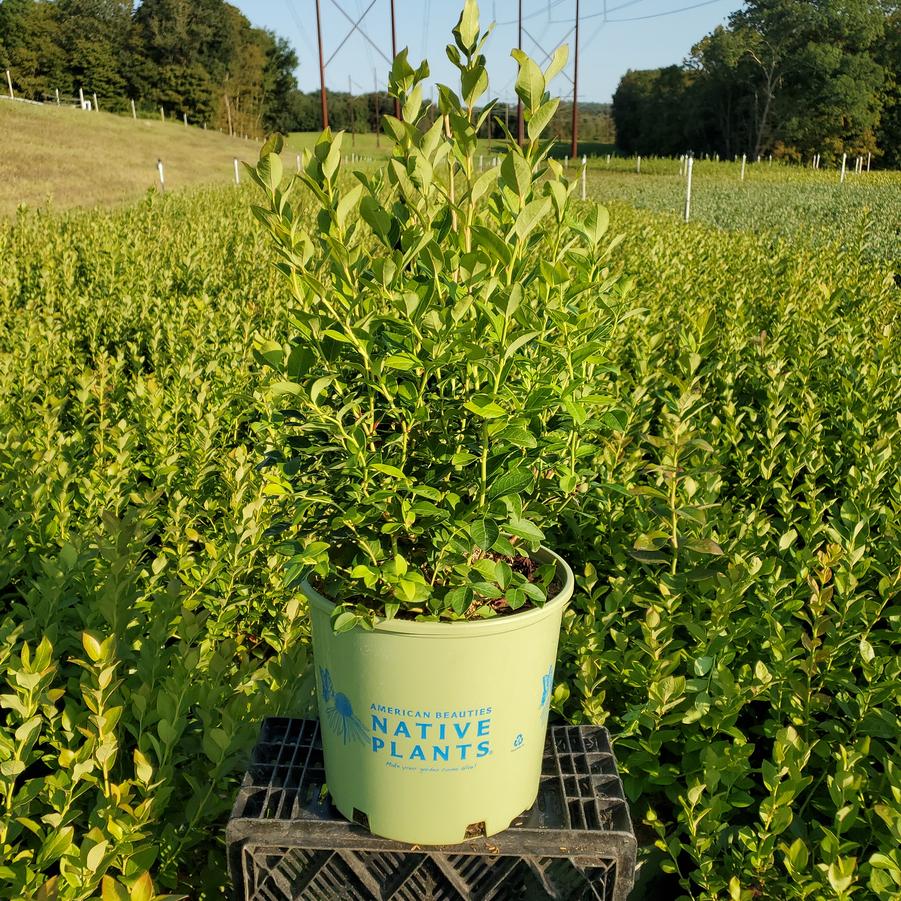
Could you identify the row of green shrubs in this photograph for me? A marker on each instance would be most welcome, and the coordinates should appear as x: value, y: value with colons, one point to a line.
x: 747, y: 668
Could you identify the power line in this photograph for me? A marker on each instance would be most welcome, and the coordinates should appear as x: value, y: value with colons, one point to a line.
x: 670, y: 12
x: 300, y: 29
x: 533, y: 15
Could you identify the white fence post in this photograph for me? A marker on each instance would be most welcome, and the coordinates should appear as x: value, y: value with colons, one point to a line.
x: 159, y: 169
x: 841, y: 181
x: 237, y: 173
x: 185, y: 117
x: 57, y: 96
x: 162, y: 115
x: 9, y: 81
x: 744, y: 159
x: 690, y: 163
x: 869, y: 156
x: 134, y: 114
x: 584, y: 170
x: 81, y: 98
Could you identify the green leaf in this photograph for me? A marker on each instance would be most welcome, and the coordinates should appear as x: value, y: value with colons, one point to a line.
x: 95, y: 856
x: 92, y: 646
x: 279, y: 388
x: 483, y: 405
x: 513, y: 481
x: 113, y: 891
x: 525, y: 529
x: 333, y: 158
x: 389, y: 470
x: 529, y: 81
x: 701, y: 665
x: 56, y: 845
x: 702, y: 546
x: 270, y: 353
x: 143, y: 769
x: 541, y: 118
x: 484, y: 533
x: 345, y: 621
x: 483, y: 183
x: 518, y: 437
x: 403, y: 362
x: 270, y: 171
x: 516, y: 173
x: 530, y: 216
x: 558, y: 61
x: 273, y: 144
x: 516, y: 597
x: 459, y: 599
x: 468, y: 26
x: 596, y: 223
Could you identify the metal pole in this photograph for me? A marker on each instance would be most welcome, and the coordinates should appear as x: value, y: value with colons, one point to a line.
x: 378, y: 108
x: 353, y: 123
x: 519, y: 126
x: 321, y: 69
x: 393, y: 55
x: 575, y: 146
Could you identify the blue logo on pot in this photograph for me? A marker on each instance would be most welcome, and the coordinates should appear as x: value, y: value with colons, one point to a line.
x: 547, y: 683
x: 340, y: 712
x: 517, y: 742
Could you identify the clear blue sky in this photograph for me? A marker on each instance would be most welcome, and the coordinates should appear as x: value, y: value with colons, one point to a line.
x: 608, y: 48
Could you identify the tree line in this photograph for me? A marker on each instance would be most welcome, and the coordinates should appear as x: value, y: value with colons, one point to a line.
x: 362, y: 112
x: 787, y: 77
x: 200, y: 58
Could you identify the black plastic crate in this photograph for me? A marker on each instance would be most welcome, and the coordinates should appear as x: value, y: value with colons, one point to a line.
x: 286, y: 841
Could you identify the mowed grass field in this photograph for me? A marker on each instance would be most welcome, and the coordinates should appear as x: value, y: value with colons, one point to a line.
x: 63, y: 157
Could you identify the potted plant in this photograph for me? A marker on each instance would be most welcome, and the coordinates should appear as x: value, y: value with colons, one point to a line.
x: 433, y: 407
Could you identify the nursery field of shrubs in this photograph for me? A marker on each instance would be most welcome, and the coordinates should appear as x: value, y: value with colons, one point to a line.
x: 736, y: 620
x: 790, y: 201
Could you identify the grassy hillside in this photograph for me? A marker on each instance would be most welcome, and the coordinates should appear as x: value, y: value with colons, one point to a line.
x: 67, y: 157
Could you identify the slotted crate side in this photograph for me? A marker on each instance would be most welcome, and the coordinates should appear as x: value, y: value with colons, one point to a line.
x: 286, y: 841
x: 277, y: 874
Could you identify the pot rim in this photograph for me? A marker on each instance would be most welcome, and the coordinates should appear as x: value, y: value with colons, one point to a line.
x: 470, y: 628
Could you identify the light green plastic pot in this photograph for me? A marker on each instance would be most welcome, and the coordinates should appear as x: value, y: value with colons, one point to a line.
x: 435, y: 731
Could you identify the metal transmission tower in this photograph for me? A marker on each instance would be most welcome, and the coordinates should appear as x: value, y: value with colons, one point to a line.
x: 574, y: 151
x: 355, y: 26
x: 518, y: 99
